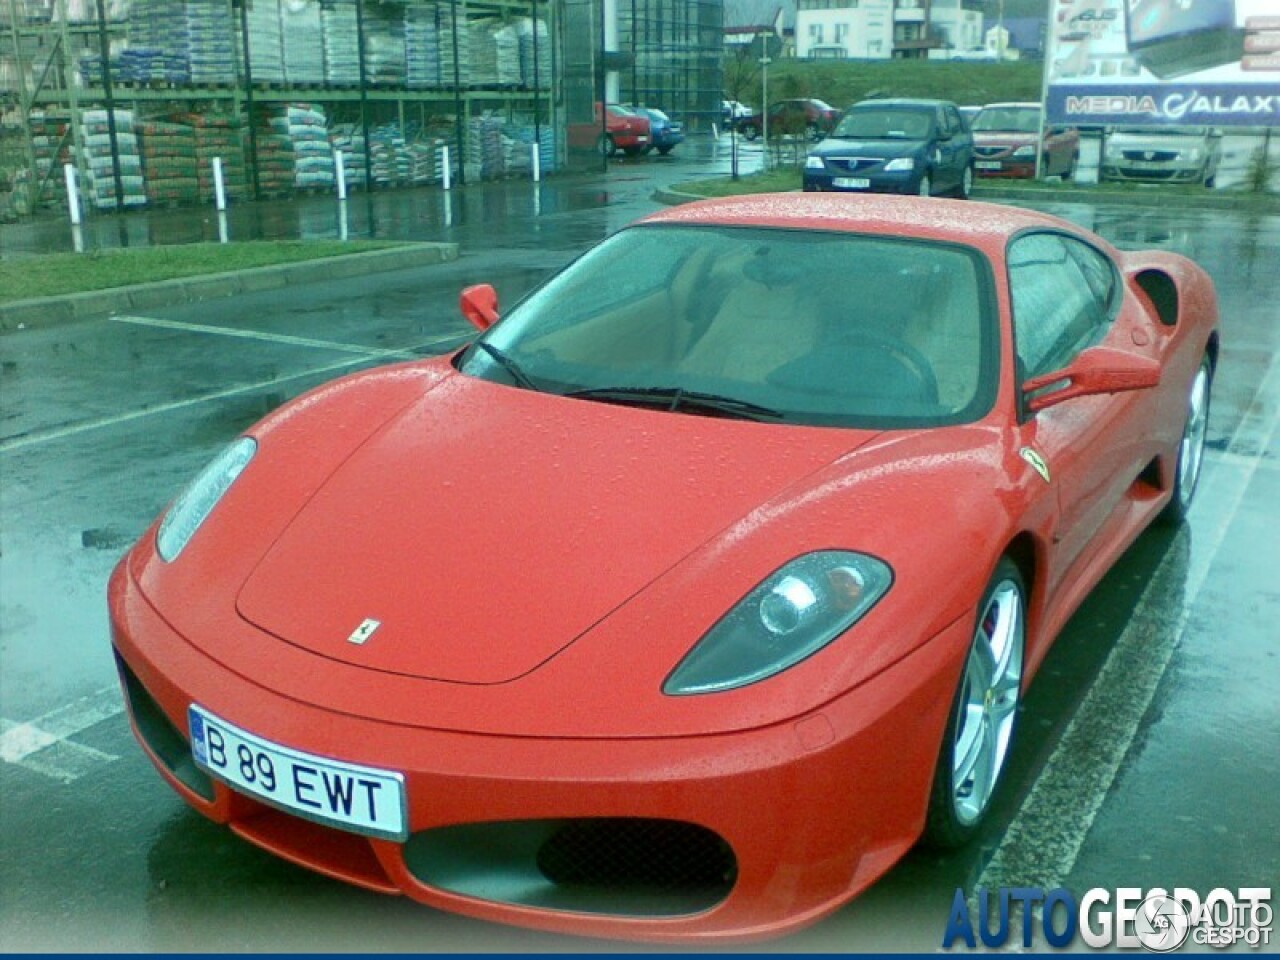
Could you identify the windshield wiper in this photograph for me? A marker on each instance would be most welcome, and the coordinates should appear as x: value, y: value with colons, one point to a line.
x: 521, y: 378
x: 678, y: 398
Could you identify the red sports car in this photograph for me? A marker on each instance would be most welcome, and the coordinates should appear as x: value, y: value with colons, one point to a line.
x: 682, y: 612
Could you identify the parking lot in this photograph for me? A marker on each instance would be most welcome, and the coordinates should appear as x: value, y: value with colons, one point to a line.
x: 1148, y: 753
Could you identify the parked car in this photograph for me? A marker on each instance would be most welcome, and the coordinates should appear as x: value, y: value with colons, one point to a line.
x: 734, y: 114
x: 667, y: 616
x: 1161, y: 154
x: 813, y: 118
x: 624, y: 130
x: 968, y: 112
x: 895, y: 146
x: 1005, y: 137
x: 665, y: 134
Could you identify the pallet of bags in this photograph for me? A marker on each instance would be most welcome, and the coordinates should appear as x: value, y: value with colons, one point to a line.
x: 169, y: 161
x: 384, y: 45
x: 218, y: 135
x: 422, y: 46
x: 302, y: 41
x: 339, y: 24
x: 210, y: 41
x: 347, y: 139
x: 306, y: 127
x: 484, y: 53
x: 276, y: 167
x: 535, y: 53
x: 455, y: 49
x: 266, y: 44
x: 95, y: 137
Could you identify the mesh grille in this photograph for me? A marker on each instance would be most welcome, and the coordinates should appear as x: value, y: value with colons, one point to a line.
x: 664, y: 855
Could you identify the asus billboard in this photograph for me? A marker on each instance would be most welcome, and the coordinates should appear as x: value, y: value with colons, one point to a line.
x: 1164, y: 62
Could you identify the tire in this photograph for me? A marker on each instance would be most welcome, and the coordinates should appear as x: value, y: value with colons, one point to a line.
x: 926, y: 186
x: 966, y: 184
x: 750, y: 131
x: 984, y: 712
x: 605, y: 145
x: 812, y: 132
x: 1186, y: 472
x: 663, y: 151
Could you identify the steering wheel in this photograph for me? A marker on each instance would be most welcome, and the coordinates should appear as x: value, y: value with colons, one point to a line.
x: 905, y: 373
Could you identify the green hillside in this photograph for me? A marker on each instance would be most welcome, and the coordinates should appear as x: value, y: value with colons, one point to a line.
x: 842, y: 82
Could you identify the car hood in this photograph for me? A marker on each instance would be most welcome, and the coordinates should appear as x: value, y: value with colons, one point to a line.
x: 882, y: 149
x: 485, y: 528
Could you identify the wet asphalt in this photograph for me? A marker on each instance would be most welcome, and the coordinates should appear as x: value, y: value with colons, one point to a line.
x: 1150, y: 747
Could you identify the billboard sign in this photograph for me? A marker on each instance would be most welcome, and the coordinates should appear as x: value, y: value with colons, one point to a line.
x: 1164, y: 62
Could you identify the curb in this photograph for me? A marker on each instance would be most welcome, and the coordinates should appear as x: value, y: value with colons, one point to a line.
x: 47, y: 311
x: 1232, y: 201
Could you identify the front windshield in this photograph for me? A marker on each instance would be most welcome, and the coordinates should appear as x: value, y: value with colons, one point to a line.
x: 811, y: 327
x: 885, y: 124
x: 1008, y: 120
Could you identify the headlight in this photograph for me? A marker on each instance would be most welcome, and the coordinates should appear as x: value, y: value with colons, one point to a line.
x: 201, y: 495
x: 902, y: 163
x: 814, y: 163
x: 1194, y: 155
x: 790, y: 616
x: 1025, y: 153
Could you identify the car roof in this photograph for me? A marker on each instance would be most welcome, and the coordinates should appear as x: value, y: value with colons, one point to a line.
x: 1015, y: 103
x: 909, y: 102
x: 986, y: 225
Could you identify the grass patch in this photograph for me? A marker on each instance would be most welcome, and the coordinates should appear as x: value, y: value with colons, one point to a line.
x: 775, y: 181
x: 62, y: 273
x: 845, y: 82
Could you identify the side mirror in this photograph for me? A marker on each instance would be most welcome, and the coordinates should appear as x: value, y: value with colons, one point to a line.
x: 1097, y: 370
x: 480, y: 305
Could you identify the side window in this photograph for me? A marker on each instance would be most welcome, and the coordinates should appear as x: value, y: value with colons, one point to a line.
x: 1062, y: 300
x: 954, y: 121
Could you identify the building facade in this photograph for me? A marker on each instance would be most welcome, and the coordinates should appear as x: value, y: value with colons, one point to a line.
x: 885, y: 29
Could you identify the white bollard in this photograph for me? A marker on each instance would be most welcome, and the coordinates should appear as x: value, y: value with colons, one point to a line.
x: 73, y: 193
x: 344, y: 229
x: 340, y: 174
x: 537, y: 162
x: 224, y: 235
x: 219, y: 189
x: 445, y: 173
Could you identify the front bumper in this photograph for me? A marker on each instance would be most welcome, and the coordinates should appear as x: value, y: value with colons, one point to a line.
x: 1006, y: 168
x: 1153, y: 174
x: 793, y: 819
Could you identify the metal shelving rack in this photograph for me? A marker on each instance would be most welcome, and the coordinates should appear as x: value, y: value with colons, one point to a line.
x: 44, y: 55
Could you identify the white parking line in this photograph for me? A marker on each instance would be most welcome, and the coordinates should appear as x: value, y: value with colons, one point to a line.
x: 1043, y: 842
x: 44, y: 746
x: 251, y: 335
x: 60, y: 433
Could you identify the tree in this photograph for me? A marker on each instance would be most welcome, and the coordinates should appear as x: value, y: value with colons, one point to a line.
x: 741, y: 75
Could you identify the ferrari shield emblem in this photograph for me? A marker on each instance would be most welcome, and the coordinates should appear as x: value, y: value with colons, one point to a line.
x: 1037, y: 462
x: 363, y: 632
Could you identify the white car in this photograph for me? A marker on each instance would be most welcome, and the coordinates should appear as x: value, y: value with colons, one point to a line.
x: 1162, y: 154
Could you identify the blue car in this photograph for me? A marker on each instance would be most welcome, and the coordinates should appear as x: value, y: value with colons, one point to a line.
x: 895, y: 146
x: 665, y: 132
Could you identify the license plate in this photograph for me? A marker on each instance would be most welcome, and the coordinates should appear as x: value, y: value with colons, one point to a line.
x: 987, y: 164
x: 852, y: 183
x: 1146, y: 165
x: 359, y: 799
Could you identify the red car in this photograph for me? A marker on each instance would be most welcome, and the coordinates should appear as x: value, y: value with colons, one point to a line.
x: 625, y: 130
x: 1005, y: 136
x: 679, y: 614
x: 813, y: 118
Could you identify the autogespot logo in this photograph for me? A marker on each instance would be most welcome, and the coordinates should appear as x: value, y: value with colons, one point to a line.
x: 1127, y: 918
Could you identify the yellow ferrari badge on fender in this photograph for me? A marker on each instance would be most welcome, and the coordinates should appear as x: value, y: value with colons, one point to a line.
x: 363, y: 632
x: 1036, y: 461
